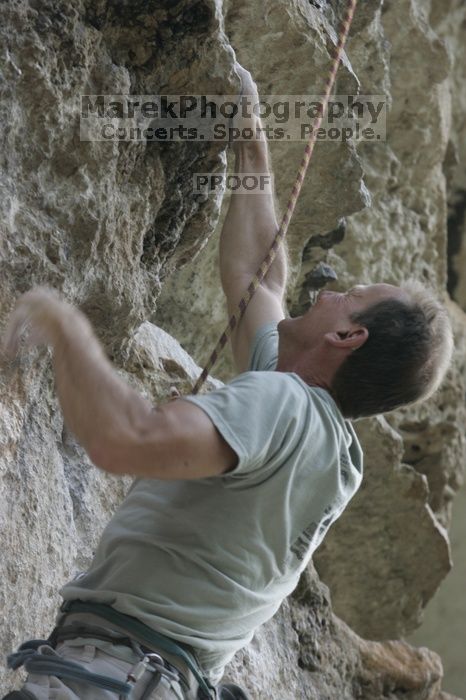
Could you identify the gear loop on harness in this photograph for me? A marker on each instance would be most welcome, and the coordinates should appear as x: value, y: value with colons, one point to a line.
x: 41, y: 659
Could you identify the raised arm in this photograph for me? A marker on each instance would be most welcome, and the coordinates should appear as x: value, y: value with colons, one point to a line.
x: 248, y: 231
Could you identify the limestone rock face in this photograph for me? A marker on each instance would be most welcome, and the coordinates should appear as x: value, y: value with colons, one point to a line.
x: 117, y: 228
x: 106, y: 218
x: 375, y: 560
x: 324, y: 658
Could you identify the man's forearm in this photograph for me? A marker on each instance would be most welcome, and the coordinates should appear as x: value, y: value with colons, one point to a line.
x: 97, y: 405
x: 251, y: 223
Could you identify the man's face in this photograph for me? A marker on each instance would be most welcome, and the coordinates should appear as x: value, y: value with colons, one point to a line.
x: 332, y: 311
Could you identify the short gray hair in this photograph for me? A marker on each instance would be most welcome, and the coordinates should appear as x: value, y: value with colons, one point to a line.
x: 404, y: 359
x: 441, y: 344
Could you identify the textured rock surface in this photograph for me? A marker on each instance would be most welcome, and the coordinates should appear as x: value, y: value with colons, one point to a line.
x: 444, y: 627
x: 324, y: 659
x: 112, y: 225
x: 374, y: 560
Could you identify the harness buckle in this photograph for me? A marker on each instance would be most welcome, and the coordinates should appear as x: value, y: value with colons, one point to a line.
x: 162, y: 666
x: 155, y: 658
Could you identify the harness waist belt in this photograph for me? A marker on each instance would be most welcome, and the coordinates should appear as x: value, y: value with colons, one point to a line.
x: 144, y: 633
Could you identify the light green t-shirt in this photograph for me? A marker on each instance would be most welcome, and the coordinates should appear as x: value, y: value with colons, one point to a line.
x: 207, y: 561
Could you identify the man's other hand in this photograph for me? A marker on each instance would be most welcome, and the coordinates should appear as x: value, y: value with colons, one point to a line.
x: 36, y: 318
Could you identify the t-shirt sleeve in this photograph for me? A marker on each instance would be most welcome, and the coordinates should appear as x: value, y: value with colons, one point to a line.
x: 264, y: 350
x: 261, y: 417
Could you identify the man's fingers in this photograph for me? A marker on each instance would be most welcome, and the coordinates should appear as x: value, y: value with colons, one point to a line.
x: 36, y: 312
x: 27, y: 316
x: 41, y: 294
x: 17, y: 325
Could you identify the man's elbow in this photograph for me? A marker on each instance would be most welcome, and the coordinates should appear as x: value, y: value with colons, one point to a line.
x: 120, y: 447
x: 142, y: 449
x: 105, y: 457
x: 121, y: 456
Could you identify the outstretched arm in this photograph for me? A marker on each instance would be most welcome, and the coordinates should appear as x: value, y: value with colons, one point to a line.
x: 119, y: 429
x: 248, y: 231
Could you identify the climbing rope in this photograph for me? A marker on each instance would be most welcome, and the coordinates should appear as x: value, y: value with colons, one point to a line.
x: 281, y: 233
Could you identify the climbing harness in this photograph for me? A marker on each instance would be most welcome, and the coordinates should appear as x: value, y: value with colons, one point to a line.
x: 141, y: 631
x: 39, y: 656
x: 281, y: 233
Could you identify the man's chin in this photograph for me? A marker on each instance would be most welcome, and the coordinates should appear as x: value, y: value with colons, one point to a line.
x: 286, y: 323
x: 281, y: 325
x: 281, y: 328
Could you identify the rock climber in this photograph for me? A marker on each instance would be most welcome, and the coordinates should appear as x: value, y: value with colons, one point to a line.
x: 233, y: 489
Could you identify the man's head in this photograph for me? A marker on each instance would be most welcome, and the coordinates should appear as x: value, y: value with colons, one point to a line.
x: 375, y: 348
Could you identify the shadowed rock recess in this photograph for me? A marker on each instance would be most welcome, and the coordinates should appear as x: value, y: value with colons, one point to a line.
x: 116, y: 228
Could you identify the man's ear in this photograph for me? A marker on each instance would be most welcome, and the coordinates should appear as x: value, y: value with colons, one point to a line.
x: 350, y: 340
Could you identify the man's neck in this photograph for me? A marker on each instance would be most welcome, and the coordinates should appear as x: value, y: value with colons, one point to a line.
x: 306, y: 372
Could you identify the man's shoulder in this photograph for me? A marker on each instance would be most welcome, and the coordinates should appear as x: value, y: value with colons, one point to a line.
x: 270, y: 380
x: 270, y: 397
x: 264, y: 348
x: 290, y: 383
